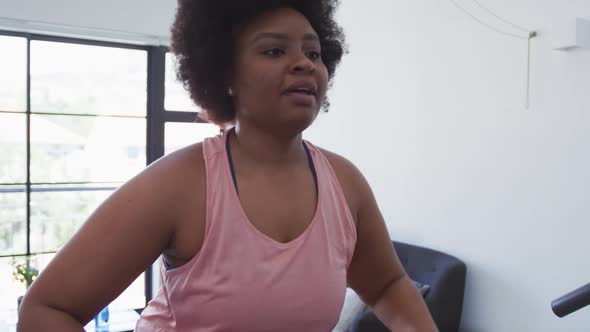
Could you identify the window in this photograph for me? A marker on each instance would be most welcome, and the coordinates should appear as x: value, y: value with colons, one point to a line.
x: 77, y: 119
x: 13, y: 162
x: 13, y: 82
x: 176, y: 98
x: 84, y: 104
x: 178, y: 133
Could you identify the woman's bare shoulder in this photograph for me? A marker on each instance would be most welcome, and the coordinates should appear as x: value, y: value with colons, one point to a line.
x: 338, y: 162
x: 187, y: 170
x: 190, y: 156
x: 177, y: 171
x: 349, y: 177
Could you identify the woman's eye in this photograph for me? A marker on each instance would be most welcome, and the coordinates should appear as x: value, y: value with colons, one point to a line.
x: 274, y: 52
x: 313, y: 55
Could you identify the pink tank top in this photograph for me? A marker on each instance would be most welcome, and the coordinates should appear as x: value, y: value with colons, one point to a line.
x: 242, y: 280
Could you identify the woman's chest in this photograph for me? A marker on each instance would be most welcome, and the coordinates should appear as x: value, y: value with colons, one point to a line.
x: 291, y: 290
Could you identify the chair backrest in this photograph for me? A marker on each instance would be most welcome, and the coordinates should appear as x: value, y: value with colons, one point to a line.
x: 446, y: 276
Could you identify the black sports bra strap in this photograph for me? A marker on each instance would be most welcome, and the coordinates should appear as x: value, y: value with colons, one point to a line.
x: 231, y: 162
x: 233, y: 171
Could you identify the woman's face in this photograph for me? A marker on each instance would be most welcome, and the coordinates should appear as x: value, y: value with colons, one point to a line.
x: 279, y: 78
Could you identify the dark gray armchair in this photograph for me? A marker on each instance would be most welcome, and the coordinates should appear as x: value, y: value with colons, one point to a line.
x: 446, y: 276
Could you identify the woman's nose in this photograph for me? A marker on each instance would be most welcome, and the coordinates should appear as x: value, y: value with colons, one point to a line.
x: 303, y: 64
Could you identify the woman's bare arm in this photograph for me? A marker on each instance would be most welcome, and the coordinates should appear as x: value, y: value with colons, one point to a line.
x: 375, y: 272
x: 123, y: 237
x: 377, y: 275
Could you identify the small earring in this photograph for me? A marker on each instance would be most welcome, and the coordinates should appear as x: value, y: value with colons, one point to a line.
x: 230, y: 91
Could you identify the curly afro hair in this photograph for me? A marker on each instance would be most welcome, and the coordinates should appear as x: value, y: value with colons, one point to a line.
x: 203, y: 42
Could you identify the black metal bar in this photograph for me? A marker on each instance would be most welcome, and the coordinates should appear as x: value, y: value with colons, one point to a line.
x: 15, y: 34
x: 572, y: 301
x: 11, y: 112
x: 155, y: 112
x: 72, y: 40
x: 63, y: 183
x: 13, y: 184
x: 13, y: 190
x: 66, y: 189
x: 155, y: 123
x: 91, y: 115
x: 30, y: 254
x: 56, y: 189
x: 175, y: 116
x: 76, y: 183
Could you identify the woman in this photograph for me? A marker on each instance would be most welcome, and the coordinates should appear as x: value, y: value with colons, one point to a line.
x: 258, y: 229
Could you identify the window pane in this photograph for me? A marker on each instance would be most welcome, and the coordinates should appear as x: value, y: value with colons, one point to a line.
x: 84, y: 79
x: 13, y: 155
x: 176, y: 98
x: 13, y: 225
x: 132, y: 298
x: 10, y: 290
x: 58, y: 211
x: 178, y: 135
x: 13, y: 77
x: 86, y: 149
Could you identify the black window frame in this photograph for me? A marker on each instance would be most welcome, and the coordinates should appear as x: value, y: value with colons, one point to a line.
x: 156, y: 118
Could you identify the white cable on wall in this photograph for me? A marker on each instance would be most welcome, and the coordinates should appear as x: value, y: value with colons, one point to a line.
x: 500, y: 18
x: 527, y: 35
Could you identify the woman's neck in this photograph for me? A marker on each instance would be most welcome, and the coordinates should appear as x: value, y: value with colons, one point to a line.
x: 266, y: 149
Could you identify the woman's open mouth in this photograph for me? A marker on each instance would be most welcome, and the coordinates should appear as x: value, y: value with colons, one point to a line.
x: 301, y: 97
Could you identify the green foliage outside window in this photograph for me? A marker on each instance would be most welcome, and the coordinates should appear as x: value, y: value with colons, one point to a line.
x: 24, y: 272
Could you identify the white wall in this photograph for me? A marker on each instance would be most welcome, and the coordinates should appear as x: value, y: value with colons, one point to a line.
x: 430, y: 106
